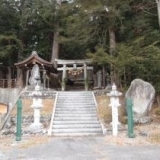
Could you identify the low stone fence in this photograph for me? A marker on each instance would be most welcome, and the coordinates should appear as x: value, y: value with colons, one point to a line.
x: 100, y: 92
x: 26, y: 122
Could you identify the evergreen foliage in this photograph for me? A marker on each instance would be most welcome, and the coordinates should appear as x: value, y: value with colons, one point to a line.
x: 84, y: 27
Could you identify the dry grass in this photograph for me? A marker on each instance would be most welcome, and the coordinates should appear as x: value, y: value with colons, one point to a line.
x: 152, y: 130
x: 27, y: 110
x: 3, y: 108
x: 32, y: 140
x: 105, y: 111
x: 154, y: 137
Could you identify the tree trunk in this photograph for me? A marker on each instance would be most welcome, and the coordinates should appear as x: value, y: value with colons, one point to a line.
x: 55, y: 46
x: 158, y: 9
x: 20, y: 30
x: 112, y: 40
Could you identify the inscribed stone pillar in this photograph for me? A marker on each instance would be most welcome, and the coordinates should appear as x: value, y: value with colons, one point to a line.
x: 142, y: 94
x: 99, y: 78
x: 85, y: 77
x: 64, y: 77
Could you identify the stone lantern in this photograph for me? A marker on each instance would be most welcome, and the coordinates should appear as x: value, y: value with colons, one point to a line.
x: 37, y: 100
x: 37, y: 105
x: 114, y: 103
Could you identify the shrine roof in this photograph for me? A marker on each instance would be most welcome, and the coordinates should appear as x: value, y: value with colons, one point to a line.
x: 33, y: 59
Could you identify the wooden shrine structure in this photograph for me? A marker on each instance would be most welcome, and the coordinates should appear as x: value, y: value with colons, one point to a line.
x: 74, y: 68
x: 24, y: 69
x: 7, y: 76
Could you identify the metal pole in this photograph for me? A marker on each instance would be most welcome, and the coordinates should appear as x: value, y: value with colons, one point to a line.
x: 19, y: 120
x: 130, y: 118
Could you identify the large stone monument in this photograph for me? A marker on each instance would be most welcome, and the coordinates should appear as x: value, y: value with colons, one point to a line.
x: 142, y: 94
x: 35, y: 75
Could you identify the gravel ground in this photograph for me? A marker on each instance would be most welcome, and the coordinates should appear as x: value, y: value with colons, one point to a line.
x: 78, y: 148
x: 107, y: 147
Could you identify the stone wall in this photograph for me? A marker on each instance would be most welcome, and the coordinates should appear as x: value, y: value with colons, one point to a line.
x: 8, y: 96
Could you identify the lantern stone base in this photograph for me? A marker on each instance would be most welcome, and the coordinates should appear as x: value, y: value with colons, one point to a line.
x: 36, y: 127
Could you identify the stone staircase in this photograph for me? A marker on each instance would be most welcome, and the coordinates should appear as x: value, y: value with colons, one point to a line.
x: 75, y: 114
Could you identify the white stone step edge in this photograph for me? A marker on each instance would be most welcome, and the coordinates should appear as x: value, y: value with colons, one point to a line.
x: 78, y: 92
x: 53, y: 113
x: 94, y: 99
x: 76, y: 112
x: 75, y: 122
x: 75, y: 134
x: 75, y: 118
x: 75, y: 126
x: 80, y: 108
x: 76, y: 115
x: 104, y: 130
x: 75, y: 130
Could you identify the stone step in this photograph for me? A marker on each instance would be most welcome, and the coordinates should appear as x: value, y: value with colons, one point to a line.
x: 75, y: 115
x: 75, y: 134
x: 77, y: 130
x: 75, y: 107
x: 76, y: 101
x: 76, y: 122
x: 74, y: 118
x: 76, y: 104
x: 74, y: 92
x: 75, y: 112
x: 88, y: 109
x: 73, y: 126
x: 76, y: 97
x: 73, y: 97
x: 72, y: 108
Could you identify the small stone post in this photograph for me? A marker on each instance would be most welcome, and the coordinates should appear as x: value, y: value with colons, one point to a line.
x: 99, y: 78
x: 64, y: 77
x: 85, y: 77
x: 19, y: 120
x: 114, y: 103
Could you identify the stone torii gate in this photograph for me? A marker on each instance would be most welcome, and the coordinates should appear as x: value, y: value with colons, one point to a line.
x: 77, y: 65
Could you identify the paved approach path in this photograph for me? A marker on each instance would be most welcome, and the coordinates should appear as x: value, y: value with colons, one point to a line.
x: 80, y: 148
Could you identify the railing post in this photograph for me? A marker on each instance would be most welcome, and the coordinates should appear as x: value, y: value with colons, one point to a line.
x: 19, y: 120
x: 130, y: 118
